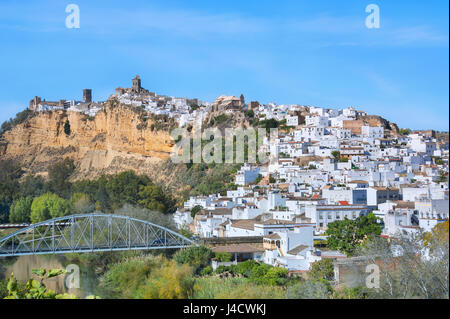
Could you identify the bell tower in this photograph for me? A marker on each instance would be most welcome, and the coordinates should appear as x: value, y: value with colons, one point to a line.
x: 136, y: 88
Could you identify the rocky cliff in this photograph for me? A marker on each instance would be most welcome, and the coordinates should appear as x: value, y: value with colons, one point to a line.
x: 118, y: 138
x: 375, y: 120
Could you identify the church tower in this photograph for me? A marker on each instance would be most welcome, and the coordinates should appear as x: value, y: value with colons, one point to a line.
x: 136, y: 88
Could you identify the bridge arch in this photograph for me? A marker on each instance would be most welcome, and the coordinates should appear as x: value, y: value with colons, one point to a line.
x: 90, y: 233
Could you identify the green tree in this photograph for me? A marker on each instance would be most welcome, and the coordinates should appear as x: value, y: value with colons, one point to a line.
x: 346, y: 235
x: 48, y: 206
x: 250, y: 114
x: 195, y: 256
x: 10, y: 173
x: 195, y: 210
x: 20, y: 210
x: 152, y: 197
x: 67, y: 127
x: 405, y: 131
x: 58, y: 177
x: 124, y: 188
x: 336, y: 155
x: 442, y: 178
x: 322, y: 270
x: 32, y: 186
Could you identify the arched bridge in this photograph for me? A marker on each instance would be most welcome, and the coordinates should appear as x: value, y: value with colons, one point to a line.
x: 90, y: 233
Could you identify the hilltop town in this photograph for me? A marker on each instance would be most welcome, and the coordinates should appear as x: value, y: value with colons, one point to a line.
x: 331, y: 165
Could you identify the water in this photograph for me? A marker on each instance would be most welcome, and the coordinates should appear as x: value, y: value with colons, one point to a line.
x: 22, y: 268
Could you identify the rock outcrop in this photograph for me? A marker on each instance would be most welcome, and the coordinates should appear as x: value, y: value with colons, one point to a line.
x: 118, y: 138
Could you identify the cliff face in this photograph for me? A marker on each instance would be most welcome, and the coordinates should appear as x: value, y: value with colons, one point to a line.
x: 116, y: 139
x: 375, y: 120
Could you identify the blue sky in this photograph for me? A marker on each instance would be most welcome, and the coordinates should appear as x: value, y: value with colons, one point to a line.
x: 304, y: 52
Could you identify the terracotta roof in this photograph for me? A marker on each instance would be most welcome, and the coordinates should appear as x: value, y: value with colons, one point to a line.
x: 217, y: 211
x: 277, y: 222
x: 273, y: 236
x: 239, y: 248
x: 244, y: 223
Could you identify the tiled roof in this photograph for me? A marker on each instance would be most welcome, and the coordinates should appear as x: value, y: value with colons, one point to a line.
x: 239, y: 248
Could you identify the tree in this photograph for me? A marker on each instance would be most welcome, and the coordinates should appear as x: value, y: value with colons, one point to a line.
x: 336, y: 155
x: 346, y: 235
x: 404, y: 131
x: 32, y: 186
x: 20, y: 210
x: 442, y: 177
x: 195, y: 210
x: 58, y: 176
x: 48, y: 206
x: 250, y: 114
x: 124, y: 188
x: 152, y: 197
x: 155, y: 217
x: 272, y: 180
x: 322, y: 270
x: 10, y: 172
x: 80, y: 203
x: 196, y: 256
x: 67, y: 127
x: 408, y: 268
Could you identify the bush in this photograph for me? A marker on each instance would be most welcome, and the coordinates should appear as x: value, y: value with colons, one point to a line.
x: 234, y: 288
x: 206, y: 271
x: 67, y: 128
x: 257, y: 273
x: 221, y: 119
x: 148, y: 277
x: 196, y: 256
x: 322, y: 269
x: 222, y: 257
x: 309, y: 290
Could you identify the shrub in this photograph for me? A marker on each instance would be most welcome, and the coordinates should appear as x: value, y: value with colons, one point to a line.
x: 206, y: 271
x: 148, y: 277
x: 308, y: 290
x: 222, y: 257
x: 67, y: 127
x: 196, y: 256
